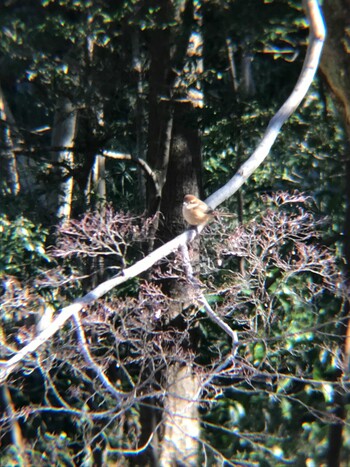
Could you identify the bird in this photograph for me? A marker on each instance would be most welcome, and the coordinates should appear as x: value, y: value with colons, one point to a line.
x: 197, y: 212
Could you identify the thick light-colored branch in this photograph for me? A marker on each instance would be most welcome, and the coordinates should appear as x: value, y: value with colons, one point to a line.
x: 317, y: 36
x: 6, y: 367
x: 316, y: 40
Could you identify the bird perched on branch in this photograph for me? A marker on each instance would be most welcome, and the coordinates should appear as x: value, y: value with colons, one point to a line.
x: 197, y: 212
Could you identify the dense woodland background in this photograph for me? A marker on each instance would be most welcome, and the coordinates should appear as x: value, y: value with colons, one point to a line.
x: 110, y: 113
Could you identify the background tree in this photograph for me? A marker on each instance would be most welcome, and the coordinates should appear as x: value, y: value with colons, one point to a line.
x: 154, y: 381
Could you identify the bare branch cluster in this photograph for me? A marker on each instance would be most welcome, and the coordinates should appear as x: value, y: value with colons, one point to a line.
x: 280, y: 289
x: 124, y: 344
x: 102, y: 234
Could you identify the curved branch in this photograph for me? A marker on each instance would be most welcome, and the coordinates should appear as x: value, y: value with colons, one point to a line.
x: 317, y: 35
x: 141, y: 162
x: 316, y: 39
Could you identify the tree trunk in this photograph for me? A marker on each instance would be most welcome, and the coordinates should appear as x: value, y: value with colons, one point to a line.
x: 174, y: 153
x: 181, y: 421
x: 160, y: 108
x: 181, y: 418
x: 10, y: 173
x: 59, y: 201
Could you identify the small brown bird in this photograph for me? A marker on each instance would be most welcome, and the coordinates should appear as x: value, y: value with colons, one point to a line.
x: 197, y: 212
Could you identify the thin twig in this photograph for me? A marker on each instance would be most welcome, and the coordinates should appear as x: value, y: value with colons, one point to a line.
x: 88, y: 357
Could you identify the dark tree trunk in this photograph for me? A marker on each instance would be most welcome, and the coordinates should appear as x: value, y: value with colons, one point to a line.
x: 174, y: 153
x: 160, y: 107
x: 184, y: 170
x: 182, y: 384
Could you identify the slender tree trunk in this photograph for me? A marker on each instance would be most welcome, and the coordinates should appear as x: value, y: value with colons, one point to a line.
x: 99, y: 181
x: 10, y: 173
x: 139, y: 107
x: 59, y: 201
x: 15, y: 429
x: 160, y: 108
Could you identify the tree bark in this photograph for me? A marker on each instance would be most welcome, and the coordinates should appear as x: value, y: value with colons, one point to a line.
x: 181, y: 419
x: 63, y: 134
x: 10, y: 173
x: 174, y: 153
x: 160, y: 108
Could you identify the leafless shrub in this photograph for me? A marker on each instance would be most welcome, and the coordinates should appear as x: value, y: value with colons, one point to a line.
x: 280, y: 288
x: 270, y: 280
x: 102, y: 234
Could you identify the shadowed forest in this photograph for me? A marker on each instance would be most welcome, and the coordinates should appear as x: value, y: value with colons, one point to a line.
x: 231, y: 348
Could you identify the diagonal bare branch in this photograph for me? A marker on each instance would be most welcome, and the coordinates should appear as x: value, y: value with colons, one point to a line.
x: 316, y: 40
